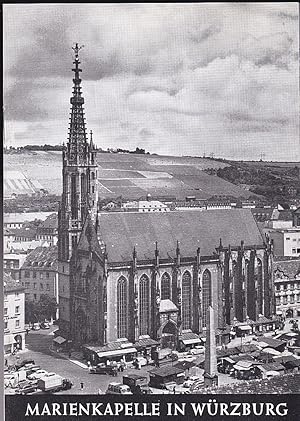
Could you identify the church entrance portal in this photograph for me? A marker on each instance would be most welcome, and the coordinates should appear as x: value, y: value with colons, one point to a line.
x: 168, y: 338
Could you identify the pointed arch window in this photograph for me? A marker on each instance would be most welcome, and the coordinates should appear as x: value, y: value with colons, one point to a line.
x: 259, y: 286
x: 206, y: 294
x: 144, y: 301
x: 73, y: 197
x: 165, y: 287
x: 122, y: 307
x: 186, y: 300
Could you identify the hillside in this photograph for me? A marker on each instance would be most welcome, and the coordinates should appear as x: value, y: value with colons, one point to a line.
x: 131, y: 176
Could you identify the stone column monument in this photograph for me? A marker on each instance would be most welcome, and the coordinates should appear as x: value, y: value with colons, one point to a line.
x: 210, y: 363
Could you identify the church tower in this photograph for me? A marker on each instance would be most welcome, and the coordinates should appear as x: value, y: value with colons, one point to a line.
x: 80, y: 190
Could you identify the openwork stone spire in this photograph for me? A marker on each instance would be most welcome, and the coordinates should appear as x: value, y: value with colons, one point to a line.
x: 78, y: 150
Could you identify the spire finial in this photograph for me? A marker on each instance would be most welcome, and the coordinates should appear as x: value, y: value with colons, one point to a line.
x: 76, y: 50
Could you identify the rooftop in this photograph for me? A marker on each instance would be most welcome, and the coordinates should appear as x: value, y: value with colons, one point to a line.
x: 50, y: 222
x: 10, y: 284
x: 289, y: 267
x: 44, y: 257
x: 9, y: 218
x: 26, y: 232
x: 121, y: 232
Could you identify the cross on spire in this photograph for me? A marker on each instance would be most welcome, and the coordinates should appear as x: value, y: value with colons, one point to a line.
x: 76, y: 50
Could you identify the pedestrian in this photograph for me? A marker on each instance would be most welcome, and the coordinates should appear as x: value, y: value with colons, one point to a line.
x: 6, y: 362
x: 81, y: 385
x: 174, y: 390
x: 100, y: 392
x: 70, y: 354
x: 27, y: 331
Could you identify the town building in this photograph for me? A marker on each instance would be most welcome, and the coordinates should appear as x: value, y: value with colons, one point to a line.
x: 147, y: 205
x: 12, y: 263
x: 287, y: 286
x: 142, y: 276
x: 48, y: 230
x: 286, y: 241
x: 18, y: 220
x: 14, y: 315
x: 39, y: 273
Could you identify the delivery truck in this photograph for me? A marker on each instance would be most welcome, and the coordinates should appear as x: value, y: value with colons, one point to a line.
x: 54, y: 383
x: 138, y: 384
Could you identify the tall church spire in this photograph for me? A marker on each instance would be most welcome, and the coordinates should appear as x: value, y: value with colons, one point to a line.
x: 80, y: 190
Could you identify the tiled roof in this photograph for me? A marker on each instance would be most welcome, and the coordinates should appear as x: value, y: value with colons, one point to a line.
x: 122, y: 231
x: 42, y: 257
x: 227, y: 352
x: 23, y: 232
x: 50, y: 222
x: 270, y: 342
x: 10, y: 284
x: 285, y: 215
x: 285, y: 358
x: 188, y: 335
x: 113, y: 346
x: 290, y: 268
x: 184, y: 365
x: 284, y: 384
x: 145, y: 342
x: 248, y: 348
x: 167, y: 370
x: 271, y: 366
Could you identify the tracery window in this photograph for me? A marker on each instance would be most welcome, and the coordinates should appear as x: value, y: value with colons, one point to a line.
x: 206, y: 294
x: 186, y: 300
x: 122, y: 307
x: 144, y: 301
x: 165, y: 287
x: 259, y: 286
x: 73, y: 197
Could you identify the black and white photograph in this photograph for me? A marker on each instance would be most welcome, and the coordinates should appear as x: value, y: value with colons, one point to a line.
x: 151, y: 202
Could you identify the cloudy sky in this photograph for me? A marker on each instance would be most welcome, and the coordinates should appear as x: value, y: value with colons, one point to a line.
x: 180, y: 79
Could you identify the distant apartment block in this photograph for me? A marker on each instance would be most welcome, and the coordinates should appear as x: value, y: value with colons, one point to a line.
x: 12, y: 263
x: 26, y: 236
x: 286, y: 242
x: 38, y: 273
x: 287, y: 287
x: 14, y: 315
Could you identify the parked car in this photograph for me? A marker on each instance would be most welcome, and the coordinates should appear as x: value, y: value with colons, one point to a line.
x: 45, y: 325
x: 37, y: 375
x: 104, y: 369
x: 50, y: 374
x: 189, y: 358
x: 200, y: 349
x: 26, y: 387
x: 188, y: 383
x: 31, y: 369
x: 118, y: 389
x: 36, y: 326
x: 24, y: 363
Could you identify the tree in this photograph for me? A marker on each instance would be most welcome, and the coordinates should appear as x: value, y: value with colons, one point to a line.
x: 31, y: 312
x: 47, y: 307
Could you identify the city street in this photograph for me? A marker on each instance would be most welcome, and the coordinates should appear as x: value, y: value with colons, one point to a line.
x: 38, y: 345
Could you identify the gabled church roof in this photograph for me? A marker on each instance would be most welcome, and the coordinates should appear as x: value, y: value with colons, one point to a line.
x: 122, y: 231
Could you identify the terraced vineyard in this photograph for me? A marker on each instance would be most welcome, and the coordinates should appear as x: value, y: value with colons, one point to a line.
x: 130, y: 176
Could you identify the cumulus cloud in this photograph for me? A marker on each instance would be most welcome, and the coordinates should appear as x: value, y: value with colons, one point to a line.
x: 171, y: 78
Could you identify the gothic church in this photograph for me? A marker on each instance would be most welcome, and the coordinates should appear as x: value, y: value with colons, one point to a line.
x: 150, y: 276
